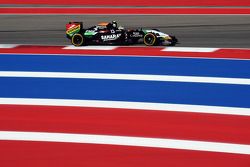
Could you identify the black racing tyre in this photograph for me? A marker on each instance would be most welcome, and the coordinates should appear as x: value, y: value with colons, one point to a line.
x: 150, y: 39
x: 78, y: 40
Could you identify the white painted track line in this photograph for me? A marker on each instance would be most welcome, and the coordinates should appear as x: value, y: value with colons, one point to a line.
x: 71, y: 47
x: 140, y: 77
x: 126, y: 141
x: 189, y: 49
x: 129, y: 105
x: 7, y: 46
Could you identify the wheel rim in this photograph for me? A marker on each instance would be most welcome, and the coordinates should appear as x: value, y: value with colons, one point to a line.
x: 149, y: 39
x: 77, y: 40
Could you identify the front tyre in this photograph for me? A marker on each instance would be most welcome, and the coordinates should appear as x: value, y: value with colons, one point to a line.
x: 78, y: 40
x: 150, y: 39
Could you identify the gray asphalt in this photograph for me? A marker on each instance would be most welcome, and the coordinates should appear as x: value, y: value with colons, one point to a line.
x: 191, y: 30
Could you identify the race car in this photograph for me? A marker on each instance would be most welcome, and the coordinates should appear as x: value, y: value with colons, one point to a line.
x: 110, y: 33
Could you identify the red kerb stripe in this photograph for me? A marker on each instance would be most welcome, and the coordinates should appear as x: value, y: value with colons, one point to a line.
x: 135, y: 2
x: 126, y: 122
x: 128, y: 51
x: 125, y: 11
x: 41, y: 154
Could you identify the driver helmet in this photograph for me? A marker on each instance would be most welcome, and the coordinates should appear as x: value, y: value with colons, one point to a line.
x: 114, y: 24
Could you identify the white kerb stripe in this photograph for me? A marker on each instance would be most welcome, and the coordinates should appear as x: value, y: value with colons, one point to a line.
x: 126, y: 141
x: 189, y: 49
x: 129, y: 105
x: 142, y: 77
x: 71, y: 47
x: 7, y: 46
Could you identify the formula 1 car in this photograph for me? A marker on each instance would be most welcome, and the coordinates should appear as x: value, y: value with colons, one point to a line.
x: 110, y: 33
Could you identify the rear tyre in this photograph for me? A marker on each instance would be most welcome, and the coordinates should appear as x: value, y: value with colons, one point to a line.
x: 149, y: 39
x: 78, y: 40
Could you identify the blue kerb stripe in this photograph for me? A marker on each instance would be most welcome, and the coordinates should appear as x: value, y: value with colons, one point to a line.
x: 127, y: 65
x: 124, y: 90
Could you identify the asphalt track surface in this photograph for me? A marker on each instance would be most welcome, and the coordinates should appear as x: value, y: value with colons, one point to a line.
x: 224, y: 31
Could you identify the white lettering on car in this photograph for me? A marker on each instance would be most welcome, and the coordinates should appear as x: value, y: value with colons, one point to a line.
x: 110, y: 37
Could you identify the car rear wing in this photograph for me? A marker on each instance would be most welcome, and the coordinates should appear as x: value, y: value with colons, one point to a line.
x: 73, y: 28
